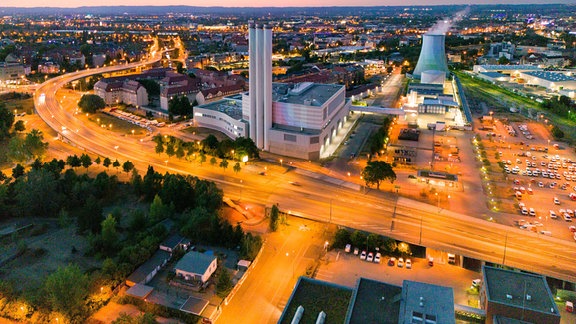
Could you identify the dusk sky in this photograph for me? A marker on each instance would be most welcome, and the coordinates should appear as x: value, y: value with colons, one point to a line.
x: 260, y: 3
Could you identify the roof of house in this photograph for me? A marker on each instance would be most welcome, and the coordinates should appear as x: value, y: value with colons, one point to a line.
x: 147, y: 267
x: 431, y: 301
x: 194, y: 305
x: 519, y: 289
x: 551, y: 76
x: 139, y: 291
x: 374, y: 302
x: 494, y: 74
x: 195, y: 262
x: 172, y: 241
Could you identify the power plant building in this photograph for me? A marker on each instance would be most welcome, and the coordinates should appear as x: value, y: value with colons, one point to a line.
x: 295, y: 120
x: 432, y: 56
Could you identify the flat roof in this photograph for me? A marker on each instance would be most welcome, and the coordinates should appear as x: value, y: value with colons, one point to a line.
x: 441, y: 102
x: 305, y: 93
x: 501, y: 67
x: 551, y: 76
x: 195, y: 262
x: 502, y: 284
x: 427, y: 300
x: 316, y: 296
x: 194, y: 305
x: 494, y: 74
x: 374, y: 302
x: 139, y: 291
x: 231, y: 106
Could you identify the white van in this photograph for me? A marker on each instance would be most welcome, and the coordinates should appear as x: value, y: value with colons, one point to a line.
x: 553, y: 214
x: 548, y: 233
x: 518, y: 194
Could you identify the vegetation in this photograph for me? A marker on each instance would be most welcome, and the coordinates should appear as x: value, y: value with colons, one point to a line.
x: 227, y: 149
x: 380, y: 138
x: 378, y: 171
x: 90, y: 103
x: 274, y: 219
x: 180, y: 106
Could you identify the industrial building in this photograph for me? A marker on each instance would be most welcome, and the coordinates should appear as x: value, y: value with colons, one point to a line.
x: 553, y: 81
x: 295, y: 120
x: 432, y: 56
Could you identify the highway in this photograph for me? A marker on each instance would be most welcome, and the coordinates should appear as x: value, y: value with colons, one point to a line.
x: 414, y: 222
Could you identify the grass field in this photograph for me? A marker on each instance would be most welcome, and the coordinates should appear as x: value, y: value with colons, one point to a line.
x: 23, y: 105
x: 118, y: 125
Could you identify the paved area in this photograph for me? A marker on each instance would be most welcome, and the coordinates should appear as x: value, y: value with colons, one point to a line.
x: 345, y: 269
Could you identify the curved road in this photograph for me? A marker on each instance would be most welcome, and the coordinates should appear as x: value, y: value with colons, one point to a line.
x: 412, y: 221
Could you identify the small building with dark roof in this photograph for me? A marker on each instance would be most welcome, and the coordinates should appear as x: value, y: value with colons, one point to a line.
x: 144, y: 273
x: 426, y: 303
x: 196, y: 266
x: 175, y: 242
x: 517, y: 296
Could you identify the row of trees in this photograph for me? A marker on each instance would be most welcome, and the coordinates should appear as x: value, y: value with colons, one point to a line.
x: 378, y: 139
x: 226, y: 149
x: 369, y: 242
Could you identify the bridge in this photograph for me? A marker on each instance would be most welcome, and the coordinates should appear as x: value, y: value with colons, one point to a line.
x: 379, y: 110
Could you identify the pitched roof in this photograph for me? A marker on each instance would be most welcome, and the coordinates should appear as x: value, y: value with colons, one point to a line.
x: 195, y: 262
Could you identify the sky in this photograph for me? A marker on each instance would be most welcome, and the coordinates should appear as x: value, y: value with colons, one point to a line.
x: 258, y: 3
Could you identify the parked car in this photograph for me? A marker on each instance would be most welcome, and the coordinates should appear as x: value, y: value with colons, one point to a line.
x: 363, y: 255
x: 370, y: 257
x: 348, y: 248
x: 408, y: 264
x: 556, y: 201
x: 400, y: 263
x: 356, y: 251
x: 392, y: 261
x: 377, y: 257
x: 553, y: 214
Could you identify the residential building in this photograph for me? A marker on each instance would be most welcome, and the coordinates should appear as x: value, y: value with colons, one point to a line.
x: 144, y: 273
x: 196, y: 266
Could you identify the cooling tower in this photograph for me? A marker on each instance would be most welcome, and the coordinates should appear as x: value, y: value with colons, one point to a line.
x: 432, y: 55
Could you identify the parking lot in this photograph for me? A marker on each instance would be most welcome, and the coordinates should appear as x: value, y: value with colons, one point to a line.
x: 538, y: 181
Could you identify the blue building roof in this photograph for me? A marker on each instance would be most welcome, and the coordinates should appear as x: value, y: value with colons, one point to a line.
x: 551, y: 76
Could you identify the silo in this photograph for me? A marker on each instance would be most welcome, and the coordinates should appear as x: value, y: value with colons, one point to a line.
x: 432, y: 55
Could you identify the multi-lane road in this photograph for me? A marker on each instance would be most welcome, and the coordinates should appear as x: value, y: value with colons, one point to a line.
x: 414, y: 222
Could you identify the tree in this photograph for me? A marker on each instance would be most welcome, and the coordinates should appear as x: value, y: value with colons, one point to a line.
x: 37, y: 194
x: 373, y: 241
x: 66, y: 289
x: 224, y: 284
x: 144, y: 318
x: 170, y: 150
x: 503, y: 60
x: 127, y: 166
x: 91, y: 103
x: 73, y: 161
x: 557, y: 132
x: 85, y: 160
x: 116, y: 164
x: 274, y: 213
x: 19, y: 126
x: 98, y: 161
x: 34, y: 144
x: 159, y: 149
x: 377, y: 171
x: 224, y: 164
x: 106, y: 163
x: 236, y: 167
x: 158, y: 211
x: 250, y: 246
x: 6, y: 121
x: 210, y: 143
x: 341, y: 238
x: 201, y: 158
x: 109, y: 233
x: 17, y: 171
x: 213, y: 161
x: 358, y: 239
x: 180, y: 152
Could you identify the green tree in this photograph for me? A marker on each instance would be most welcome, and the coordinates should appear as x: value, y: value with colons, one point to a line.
x: 116, y: 164
x: 107, y: 162
x: 358, y: 239
x: 274, y: 213
x: 73, y: 161
x: 224, y: 284
x: 201, y: 158
x: 19, y: 126
x: 6, y: 121
x: 158, y: 211
x: 37, y: 194
x: 373, y: 241
x: 98, y: 160
x: 170, y: 151
x: 557, y: 132
x: 341, y: 238
x: 66, y: 290
x: 180, y: 152
x: 109, y: 233
x: 377, y: 171
x: 85, y: 160
x: 127, y: 166
x: 34, y: 144
x: 250, y: 246
x: 236, y: 167
x: 17, y: 171
x: 144, y: 318
x: 213, y: 161
x: 224, y: 164
x: 91, y: 103
x: 159, y: 149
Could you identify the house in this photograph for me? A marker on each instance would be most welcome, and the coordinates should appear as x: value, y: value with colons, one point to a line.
x: 175, y: 242
x: 196, y: 266
x: 148, y: 269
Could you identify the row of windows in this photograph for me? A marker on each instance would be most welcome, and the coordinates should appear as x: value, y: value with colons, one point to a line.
x: 293, y: 138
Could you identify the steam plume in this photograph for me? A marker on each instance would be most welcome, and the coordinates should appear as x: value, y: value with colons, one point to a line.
x: 443, y: 26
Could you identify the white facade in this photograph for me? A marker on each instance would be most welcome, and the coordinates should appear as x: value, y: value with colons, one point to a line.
x: 554, y: 81
x: 224, y: 115
x: 11, y: 72
x: 196, y: 266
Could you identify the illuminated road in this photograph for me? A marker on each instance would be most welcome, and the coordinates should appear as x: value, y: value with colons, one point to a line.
x: 317, y: 199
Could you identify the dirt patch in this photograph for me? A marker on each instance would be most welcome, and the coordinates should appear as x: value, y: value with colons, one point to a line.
x: 44, y: 253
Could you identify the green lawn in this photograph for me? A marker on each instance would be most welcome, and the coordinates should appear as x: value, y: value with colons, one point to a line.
x: 24, y: 105
x: 118, y: 125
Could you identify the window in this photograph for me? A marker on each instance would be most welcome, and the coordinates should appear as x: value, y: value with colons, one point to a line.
x: 289, y: 138
x: 314, y: 140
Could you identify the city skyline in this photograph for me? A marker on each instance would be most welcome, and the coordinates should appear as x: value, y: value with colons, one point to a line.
x: 258, y: 4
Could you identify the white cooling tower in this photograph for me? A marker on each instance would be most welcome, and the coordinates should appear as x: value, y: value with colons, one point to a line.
x: 433, y: 77
x: 432, y: 55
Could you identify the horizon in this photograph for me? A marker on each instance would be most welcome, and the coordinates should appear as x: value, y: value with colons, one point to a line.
x: 72, y: 4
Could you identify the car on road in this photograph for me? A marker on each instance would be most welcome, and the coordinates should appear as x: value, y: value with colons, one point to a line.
x: 572, y: 228
x: 294, y: 183
x: 370, y: 257
x: 348, y: 248
x: 400, y: 262
x: 553, y: 214
x: 377, y: 257
x: 363, y: 255
x: 532, y: 212
x: 541, y: 184
x: 408, y: 264
x: 392, y: 261
x: 567, y: 217
x: 556, y: 201
x: 524, y: 211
